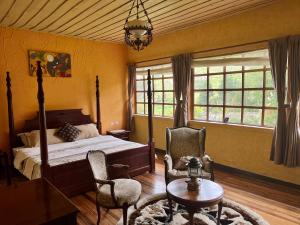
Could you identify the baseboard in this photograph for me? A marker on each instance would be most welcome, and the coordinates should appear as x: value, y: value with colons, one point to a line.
x: 230, y: 169
x: 254, y: 175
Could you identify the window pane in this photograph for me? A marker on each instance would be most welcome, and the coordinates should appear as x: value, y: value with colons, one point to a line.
x: 168, y: 84
x: 139, y: 77
x: 140, y: 108
x: 168, y: 75
x: 139, y: 85
x: 199, y: 113
x: 233, y: 68
x: 271, y: 98
x: 270, y: 117
x: 157, y: 110
x: 234, y: 98
x: 140, y: 96
x: 216, y: 82
x: 216, y: 69
x: 158, y: 85
x: 200, y: 98
x: 253, y: 67
x: 156, y: 75
x: 216, y: 114
x: 216, y: 97
x: 158, y: 97
x: 168, y: 97
x: 269, y: 79
x: 253, y: 98
x: 234, y: 80
x: 168, y: 110
x: 200, y: 70
x: 200, y: 82
x: 233, y: 114
x: 254, y: 80
x: 252, y: 116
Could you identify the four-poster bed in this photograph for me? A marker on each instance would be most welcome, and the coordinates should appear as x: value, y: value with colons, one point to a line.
x: 73, y: 177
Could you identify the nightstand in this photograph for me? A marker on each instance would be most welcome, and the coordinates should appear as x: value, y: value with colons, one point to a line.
x: 122, y: 134
x: 5, y: 164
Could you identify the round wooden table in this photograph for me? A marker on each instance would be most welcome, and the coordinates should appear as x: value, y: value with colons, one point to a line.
x: 208, y: 194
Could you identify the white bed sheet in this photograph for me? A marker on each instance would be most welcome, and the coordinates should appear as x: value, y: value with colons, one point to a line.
x: 28, y: 160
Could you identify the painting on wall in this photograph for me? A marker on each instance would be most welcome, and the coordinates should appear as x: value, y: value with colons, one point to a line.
x: 53, y: 64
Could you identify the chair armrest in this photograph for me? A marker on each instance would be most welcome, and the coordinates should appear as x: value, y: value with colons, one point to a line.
x: 119, y: 170
x: 208, y: 165
x: 168, y: 162
x: 111, y: 183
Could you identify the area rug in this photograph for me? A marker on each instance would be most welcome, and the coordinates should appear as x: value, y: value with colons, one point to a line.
x: 155, y: 211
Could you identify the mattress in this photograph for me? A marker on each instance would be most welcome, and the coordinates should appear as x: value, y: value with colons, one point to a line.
x: 28, y: 160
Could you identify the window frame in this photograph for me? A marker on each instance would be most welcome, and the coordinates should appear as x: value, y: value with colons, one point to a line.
x: 163, y: 91
x: 224, y: 91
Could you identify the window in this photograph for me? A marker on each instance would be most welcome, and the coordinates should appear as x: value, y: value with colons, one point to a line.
x: 237, y: 88
x: 163, y: 102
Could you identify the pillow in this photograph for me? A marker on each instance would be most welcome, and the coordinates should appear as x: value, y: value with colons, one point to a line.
x: 32, y: 139
x: 68, y: 132
x: 51, y: 138
x: 25, y: 138
x: 181, y: 164
x: 87, y: 131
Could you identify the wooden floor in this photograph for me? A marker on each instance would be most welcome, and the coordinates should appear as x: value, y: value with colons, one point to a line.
x: 279, y: 205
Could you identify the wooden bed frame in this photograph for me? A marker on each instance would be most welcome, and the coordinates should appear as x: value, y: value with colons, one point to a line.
x: 75, y: 178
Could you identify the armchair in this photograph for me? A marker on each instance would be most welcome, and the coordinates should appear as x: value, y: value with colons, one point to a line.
x: 112, y: 194
x: 185, y: 142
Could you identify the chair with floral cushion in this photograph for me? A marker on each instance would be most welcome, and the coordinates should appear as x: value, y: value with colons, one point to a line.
x: 182, y: 144
x: 112, y: 194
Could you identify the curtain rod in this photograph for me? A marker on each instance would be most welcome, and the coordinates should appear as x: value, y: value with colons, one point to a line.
x: 208, y: 50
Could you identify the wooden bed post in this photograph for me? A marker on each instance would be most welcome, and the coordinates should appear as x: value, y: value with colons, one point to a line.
x: 42, y: 122
x: 11, y: 123
x: 150, y: 124
x: 98, y: 111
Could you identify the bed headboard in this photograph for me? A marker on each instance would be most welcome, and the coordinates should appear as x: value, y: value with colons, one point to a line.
x: 57, y: 118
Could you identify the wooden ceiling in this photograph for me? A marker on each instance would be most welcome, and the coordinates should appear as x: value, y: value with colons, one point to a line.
x: 104, y: 19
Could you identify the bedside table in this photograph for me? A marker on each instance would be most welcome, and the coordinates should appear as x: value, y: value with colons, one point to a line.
x: 5, y: 164
x: 122, y: 134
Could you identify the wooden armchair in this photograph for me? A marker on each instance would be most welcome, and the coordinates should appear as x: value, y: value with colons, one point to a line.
x: 185, y: 142
x: 112, y: 194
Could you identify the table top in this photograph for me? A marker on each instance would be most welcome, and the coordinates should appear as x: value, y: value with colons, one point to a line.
x: 209, y: 193
x: 33, y: 202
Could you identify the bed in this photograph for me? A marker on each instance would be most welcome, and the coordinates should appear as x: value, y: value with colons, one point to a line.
x: 64, y: 164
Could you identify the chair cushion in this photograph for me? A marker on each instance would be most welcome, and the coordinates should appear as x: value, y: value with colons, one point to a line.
x: 126, y: 191
x: 177, y: 174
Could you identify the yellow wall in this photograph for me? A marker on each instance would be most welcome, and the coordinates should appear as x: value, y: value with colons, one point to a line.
x: 245, y: 148
x: 88, y: 58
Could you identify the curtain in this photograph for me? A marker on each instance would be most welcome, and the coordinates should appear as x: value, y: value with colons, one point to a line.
x: 131, y: 90
x: 292, y: 156
x: 181, y: 67
x: 278, y: 61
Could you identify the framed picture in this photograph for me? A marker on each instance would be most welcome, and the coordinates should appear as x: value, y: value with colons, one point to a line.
x: 53, y: 64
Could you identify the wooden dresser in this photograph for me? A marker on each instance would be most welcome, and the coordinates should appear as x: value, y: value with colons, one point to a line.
x: 35, y: 202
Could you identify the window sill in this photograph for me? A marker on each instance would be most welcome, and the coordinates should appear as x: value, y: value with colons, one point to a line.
x: 213, y: 123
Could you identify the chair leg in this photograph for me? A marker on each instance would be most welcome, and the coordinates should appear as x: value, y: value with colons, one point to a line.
x: 98, y: 212
x: 125, y: 208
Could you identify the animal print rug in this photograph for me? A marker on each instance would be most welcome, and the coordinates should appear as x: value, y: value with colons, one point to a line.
x: 155, y: 211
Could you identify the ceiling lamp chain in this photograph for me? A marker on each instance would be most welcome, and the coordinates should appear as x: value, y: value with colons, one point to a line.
x: 138, y: 32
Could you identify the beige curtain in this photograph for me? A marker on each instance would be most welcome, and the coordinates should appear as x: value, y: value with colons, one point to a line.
x: 131, y: 90
x: 181, y: 67
x: 278, y: 60
x: 292, y: 155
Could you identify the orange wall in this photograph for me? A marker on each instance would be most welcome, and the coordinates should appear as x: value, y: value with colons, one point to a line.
x: 241, y: 147
x: 89, y: 58
x: 278, y: 19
